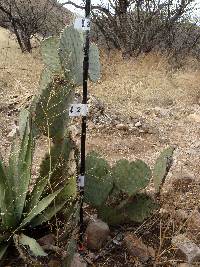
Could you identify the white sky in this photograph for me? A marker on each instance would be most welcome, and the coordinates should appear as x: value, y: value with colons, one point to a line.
x: 105, y: 2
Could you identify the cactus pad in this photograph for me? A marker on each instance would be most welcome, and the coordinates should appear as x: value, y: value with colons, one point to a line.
x: 49, y: 51
x: 71, y: 54
x: 94, y: 63
x: 162, y: 167
x: 131, y: 177
x: 99, y: 181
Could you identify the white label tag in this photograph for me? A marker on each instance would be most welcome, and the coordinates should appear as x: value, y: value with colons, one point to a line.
x: 82, y: 24
x: 81, y: 181
x: 76, y: 110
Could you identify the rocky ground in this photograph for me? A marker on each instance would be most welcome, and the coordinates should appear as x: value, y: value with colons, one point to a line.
x: 138, y: 108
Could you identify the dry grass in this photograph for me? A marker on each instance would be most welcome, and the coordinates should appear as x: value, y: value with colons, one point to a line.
x: 146, y: 81
x: 19, y: 72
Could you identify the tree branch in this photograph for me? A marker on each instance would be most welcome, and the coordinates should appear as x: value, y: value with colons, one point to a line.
x: 97, y: 7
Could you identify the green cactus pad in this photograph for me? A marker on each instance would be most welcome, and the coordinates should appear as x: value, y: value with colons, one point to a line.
x: 111, y: 215
x: 162, y: 167
x: 131, y: 177
x: 71, y: 54
x: 98, y: 183
x: 94, y: 63
x: 49, y: 51
x: 140, y: 208
x: 51, y: 111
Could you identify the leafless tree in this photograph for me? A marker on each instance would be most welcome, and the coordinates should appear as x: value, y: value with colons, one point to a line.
x: 29, y: 17
x: 136, y: 26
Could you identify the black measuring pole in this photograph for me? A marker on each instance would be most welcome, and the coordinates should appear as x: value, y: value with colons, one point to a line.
x: 84, y: 118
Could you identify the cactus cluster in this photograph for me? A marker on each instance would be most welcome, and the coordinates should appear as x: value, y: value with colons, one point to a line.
x: 118, y: 192
x: 55, y: 189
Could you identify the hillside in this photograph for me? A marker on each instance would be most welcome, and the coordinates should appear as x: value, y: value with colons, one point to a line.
x: 140, y: 106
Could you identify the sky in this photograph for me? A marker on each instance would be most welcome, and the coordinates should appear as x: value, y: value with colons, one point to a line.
x: 105, y: 2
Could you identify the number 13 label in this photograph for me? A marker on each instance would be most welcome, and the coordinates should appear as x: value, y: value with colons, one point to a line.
x: 76, y: 110
x: 82, y: 24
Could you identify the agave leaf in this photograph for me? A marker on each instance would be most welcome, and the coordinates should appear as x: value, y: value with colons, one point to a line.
x: 20, y: 169
x: 47, y: 215
x: 59, y: 160
x: 2, y: 186
x: 67, y: 194
x: 3, y: 249
x: 23, y: 118
x: 98, y: 182
x: 41, y: 206
x: 140, y: 208
x: 94, y: 63
x: 7, y: 194
x: 162, y: 167
x: 34, y: 247
x: 131, y: 177
x: 71, y: 54
x: 49, y: 51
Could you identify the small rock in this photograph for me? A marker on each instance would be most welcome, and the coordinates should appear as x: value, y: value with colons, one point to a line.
x: 187, y: 250
x: 138, y: 124
x: 136, y: 247
x: 78, y: 261
x: 193, y: 226
x: 47, y: 240
x: 122, y: 126
x: 97, y: 233
x: 54, y: 263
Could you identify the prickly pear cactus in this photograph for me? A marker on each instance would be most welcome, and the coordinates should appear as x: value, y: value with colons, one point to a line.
x: 49, y: 51
x: 99, y: 181
x: 136, y: 209
x: 94, y: 63
x: 162, y: 167
x: 71, y: 54
x: 140, y: 207
x: 51, y: 111
x: 131, y: 177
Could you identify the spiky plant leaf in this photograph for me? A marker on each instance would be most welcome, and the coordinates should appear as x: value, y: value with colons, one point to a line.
x: 53, y: 170
x: 71, y: 54
x: 94, y: 63
x: 19, y: 171
x: 49, y: 51
x: 51, y: 111
x: 131, y: 177
x: 99, y: 180
x: 140, y: 208
x: 6, y: 199
x: 67, y: 195
x: 32, y: 245
x: 3, y: 249
x: 41, y: 206
x: 23, y: 117
x: 162, y: 167
x: 2, y: 185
